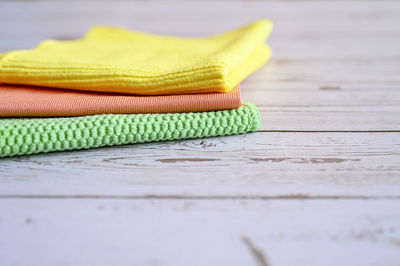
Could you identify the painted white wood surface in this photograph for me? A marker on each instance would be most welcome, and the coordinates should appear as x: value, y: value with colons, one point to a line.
x: 329, y: 59
x: 253, y: 165
x: 317, y: 185
x: 199, y: 232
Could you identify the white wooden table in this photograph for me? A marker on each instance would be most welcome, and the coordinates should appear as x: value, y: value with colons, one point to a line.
x: 319, y: 184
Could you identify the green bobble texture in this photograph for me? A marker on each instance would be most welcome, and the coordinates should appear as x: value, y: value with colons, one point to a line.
x: 22, y: 136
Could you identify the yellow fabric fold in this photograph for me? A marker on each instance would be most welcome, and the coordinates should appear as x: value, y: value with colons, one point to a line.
x: 117, y: 60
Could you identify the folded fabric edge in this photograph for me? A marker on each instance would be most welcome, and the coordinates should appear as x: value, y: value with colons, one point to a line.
x: 258, y: 58
x: 224, y: 81
x: 23, y: 136
x: 26, y: 101
x: 216, y: 78
x: 254, y: 117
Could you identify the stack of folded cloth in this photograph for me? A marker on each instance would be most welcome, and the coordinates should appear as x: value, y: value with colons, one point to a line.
x: 116, y: 87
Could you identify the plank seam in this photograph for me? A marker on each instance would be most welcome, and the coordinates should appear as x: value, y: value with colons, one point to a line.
x: 200, y: 197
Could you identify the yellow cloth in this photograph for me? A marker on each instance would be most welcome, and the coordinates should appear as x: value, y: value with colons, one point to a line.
x: 117, y: 60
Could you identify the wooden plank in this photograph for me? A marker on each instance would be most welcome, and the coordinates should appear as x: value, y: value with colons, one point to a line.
x: 253, y: 165
x: 269, y: 198
x: 330, y: 15
x: 370, y: 75
x: 208, y: 232
x: 330, y: 118
x: 297, y: 98
x: 314, y: 29
x: 350, y: 87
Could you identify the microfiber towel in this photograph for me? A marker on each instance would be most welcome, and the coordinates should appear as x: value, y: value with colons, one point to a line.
x: 19, y: 136
x: 116, y: 60
x: 26, y: 101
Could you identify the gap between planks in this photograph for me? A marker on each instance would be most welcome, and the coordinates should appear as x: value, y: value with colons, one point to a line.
x: 221, y: 197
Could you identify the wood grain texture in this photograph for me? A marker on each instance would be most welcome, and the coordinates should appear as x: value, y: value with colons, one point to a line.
x: 199, y: 232
x: 319, y: 184
x: 252, y: 165
x: 351, y: 46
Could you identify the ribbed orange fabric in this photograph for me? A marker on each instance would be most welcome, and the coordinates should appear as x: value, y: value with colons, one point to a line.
x: 16, y: 101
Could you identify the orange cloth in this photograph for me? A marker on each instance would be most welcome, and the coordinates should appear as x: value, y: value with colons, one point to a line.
x: 37, y: 101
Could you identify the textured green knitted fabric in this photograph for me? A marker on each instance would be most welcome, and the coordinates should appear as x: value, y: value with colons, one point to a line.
x: 20, y: 136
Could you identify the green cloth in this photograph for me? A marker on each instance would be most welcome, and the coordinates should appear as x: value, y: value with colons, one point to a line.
x: 20, y: 136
